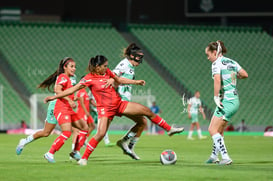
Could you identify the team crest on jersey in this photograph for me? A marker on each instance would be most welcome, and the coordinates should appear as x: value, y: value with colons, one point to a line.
x: 63, y: 80
x: 66, y: 117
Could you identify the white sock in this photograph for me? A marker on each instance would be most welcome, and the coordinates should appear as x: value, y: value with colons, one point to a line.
x: 29, y: 139
x: 129, y: 136
x: 73, y: 146
x: 199, y: 133
x: 215, y: 152
x: 220, y: 145
x: 106, y: 139
x: 133, y: 142
x: 190, y: 134
x: 153, y: 129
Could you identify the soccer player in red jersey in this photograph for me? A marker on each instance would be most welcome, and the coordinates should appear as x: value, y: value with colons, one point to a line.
x: 63, y: 111
x: 109, y: 103
x: 83, y: 101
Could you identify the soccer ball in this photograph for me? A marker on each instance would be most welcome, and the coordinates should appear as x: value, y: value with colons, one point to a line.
x: 168, y: 157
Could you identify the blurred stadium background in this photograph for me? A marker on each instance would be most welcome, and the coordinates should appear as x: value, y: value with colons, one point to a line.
x: 36, y: 35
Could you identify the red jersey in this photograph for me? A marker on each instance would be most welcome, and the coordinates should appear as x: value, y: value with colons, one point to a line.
x: 82, y: 93
x: 105, y: 97
x: 62, y: 104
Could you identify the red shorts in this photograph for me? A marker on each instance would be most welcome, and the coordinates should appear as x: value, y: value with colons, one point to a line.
x: 88, y: 119
x: 111, y: 112
x: 65, y: 117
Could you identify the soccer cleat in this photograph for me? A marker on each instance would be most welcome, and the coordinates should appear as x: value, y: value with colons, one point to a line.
x: 123, y: 145
x: 202, y: 137
x: 174, y: 130
x: 75, y: 155
x: 190, y: 138
x: 82, y: 162
x: 134, y: 155
x: 49, y: 157
x: 212, y: 160
x: 225, y: 162
x: 20, y: 146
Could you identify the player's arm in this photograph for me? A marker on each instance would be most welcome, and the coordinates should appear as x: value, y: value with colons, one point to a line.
x: 122, y: 80
x: 58, y: 89
x: 217, y: 87
x: 81, y: 99
x: 202, y: 112
x: 242, y: 74
x: 64, y: 93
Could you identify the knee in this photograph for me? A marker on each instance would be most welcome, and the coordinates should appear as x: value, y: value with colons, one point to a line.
x: 212, y: 131
x: 100, y: 135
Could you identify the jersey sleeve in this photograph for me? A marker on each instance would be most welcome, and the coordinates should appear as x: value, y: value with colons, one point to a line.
x: 110, y: 73
x: 119, y: 69
x: 238, y: 66
x: 61, y: 80
x: 86, y: 80
x: 215, y: 69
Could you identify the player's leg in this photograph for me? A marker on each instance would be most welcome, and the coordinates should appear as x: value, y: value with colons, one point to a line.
x: 199, y: 131
x: 48, y: 128
x: 81, y: 136
x: 217, y: 123
x: 191, y: 131
x: 94, y: 141
x: 75, y: 132
x: 106, y: 139
x: 133, y: 109
x: 66, y: 128
x: 128, y: 141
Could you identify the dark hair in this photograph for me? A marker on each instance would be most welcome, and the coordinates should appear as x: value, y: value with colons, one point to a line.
x: 96, y: 61
x: 49, y: 82
x: 214, y: 46
x: 134, y: 50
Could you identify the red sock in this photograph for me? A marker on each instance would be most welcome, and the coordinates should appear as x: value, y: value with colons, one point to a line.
x: 58, y: 143
x: 92, y: 144
x: 161, y: 122
x: 80, y: 140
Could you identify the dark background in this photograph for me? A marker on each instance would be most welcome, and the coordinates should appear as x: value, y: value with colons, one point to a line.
x: 119, y: 12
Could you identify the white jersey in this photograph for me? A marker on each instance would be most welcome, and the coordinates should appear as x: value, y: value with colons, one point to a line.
x: 228, y: 70
x: 127, y: 70
x: 195, y: 104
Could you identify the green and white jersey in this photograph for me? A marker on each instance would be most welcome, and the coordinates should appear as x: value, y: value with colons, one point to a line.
x: 195, y: 104
x: 228, y: 69
x: 73, y: 79
x: 127, y: 70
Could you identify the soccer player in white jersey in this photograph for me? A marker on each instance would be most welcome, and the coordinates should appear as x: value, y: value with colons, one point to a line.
x: 126, y: 68
x: 225, y: 73
x: 195, y: 106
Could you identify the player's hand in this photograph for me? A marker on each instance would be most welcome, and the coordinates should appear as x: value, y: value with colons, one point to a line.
x: 72, y: 104
x: 109, y: 82
x: 48, y: 98
x: 140, y: 82
x: 218, y: 102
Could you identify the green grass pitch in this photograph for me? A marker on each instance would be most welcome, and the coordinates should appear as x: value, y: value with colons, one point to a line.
x: 252, y: 160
